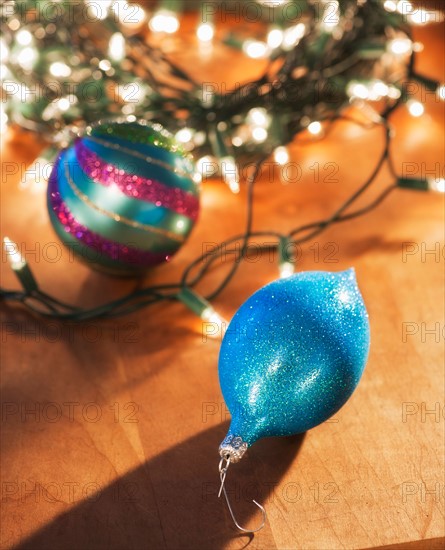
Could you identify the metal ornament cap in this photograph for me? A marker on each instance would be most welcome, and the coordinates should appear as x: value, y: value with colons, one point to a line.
x: 233, y: 447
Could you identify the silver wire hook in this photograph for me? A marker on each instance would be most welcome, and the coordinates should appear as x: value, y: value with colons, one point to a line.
x: 222, y: 474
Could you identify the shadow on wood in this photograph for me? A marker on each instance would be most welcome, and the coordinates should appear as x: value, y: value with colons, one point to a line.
x: 171, y: 500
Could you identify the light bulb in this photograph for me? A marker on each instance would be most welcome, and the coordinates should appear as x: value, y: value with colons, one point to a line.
x: 24, y: 37
x: 214, y: 325
x: 164, y: 21
x: 314, y: 128
x: 98, y: 10
x: 185, y: 135
x: 390, y: 5
x: 59, y: 69
x: 437, y: 185
x: 255, y: 49
x: 281, y: 155
x: 293, y: 35
x: 259, y: 134
x: 116, y: 47
x: 286, y: 269
x: 275, y: 38
x: 15, y: 259
x: 415, y: 108
x: 400, y: 46
x: 358, y: 90
x: 378, y: 89
x: 27, y: 58
x: 205, y: 32
x: 258, y: 116
x: 441, y: 92
x: 404, y: 7
x: 206, y: 166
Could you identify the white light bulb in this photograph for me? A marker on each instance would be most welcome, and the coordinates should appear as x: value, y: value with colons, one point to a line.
x: 98, y: 10
x: 400, y: 46
x: 24, y: 37
x: 275, y: 38
x: 437, y: 185
x: 293, y: 35
x: 258, y: 117
x: 210, y: 316
x: 390, y: 5
x: 357, y: 89
x: 205, y: 32
x: 259, y: 134
x: 441, y: 92
x: 281, y: 155
x: 104, y: 65
x: 419, y: 17
x: 15, y: 259
x: 314, y: 128
x: 206, y: 166
x: 286, y: 269
x: 404, y: 7
x: 27, y: 58
x: 64, y: 103
x: 415, y: 108
x: 116, y: 47
x: 185, y: 135
x: 59, y: 69
x: 164, y: 21
x: 393, y: 92
x: 378, y: 90
x: 255, y: 49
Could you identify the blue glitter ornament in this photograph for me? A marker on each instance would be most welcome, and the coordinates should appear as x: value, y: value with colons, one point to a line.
x: 292, y: 356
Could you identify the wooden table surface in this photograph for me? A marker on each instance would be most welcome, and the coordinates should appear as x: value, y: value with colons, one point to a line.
x: 110, y: 431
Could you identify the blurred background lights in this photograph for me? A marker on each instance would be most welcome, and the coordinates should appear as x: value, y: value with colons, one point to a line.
x: 164, y: 21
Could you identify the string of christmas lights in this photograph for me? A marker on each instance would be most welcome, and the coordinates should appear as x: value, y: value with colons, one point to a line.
x: 339, y: 61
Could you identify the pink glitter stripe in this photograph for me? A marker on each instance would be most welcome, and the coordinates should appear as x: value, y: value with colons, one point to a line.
x: 134, y: 186
x: 113, y: 250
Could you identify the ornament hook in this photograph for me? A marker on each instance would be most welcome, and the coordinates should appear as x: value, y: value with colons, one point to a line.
x: 224, y: 464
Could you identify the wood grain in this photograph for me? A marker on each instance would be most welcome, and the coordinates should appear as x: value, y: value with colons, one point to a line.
x: 144, y: 474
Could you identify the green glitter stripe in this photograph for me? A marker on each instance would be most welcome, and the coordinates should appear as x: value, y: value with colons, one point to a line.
x: 136, y: 133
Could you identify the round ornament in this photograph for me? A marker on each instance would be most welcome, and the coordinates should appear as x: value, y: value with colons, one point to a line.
x: 123, y: 197
x: 292, y: 356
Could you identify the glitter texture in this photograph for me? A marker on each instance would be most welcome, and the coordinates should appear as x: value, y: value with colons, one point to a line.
x: 117, y: 219
x: 136, y: 186
x: 113, y: 250
x: 140, y: 132
x: 293, y: 354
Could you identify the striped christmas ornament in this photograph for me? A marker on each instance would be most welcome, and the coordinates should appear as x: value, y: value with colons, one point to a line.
x: 124, y: 196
